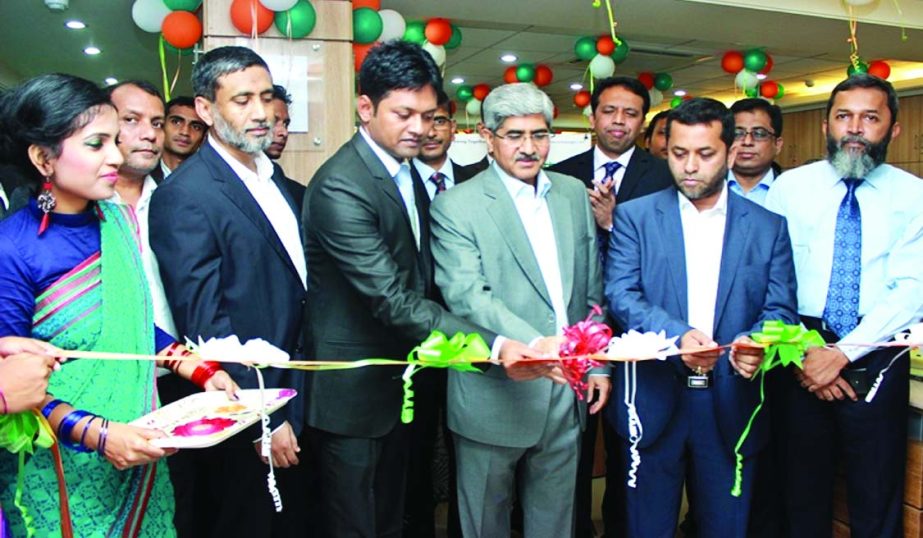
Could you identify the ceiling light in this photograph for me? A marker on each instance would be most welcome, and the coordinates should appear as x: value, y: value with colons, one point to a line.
x: 75, y: 24
x: 111, y: 80
x: 761, y: 76
x: 576, y: 86
x: 91, y: 51
x: 458, y: 80
x: 508, y: 58
x: 679, y: 93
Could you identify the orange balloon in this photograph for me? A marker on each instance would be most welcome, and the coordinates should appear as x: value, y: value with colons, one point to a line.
x: 543, y: 75
x: 374, y: 4
x: 242, y: 16
x: 480, y: 91
x: 438, y: 31
x: 605, y: 45
x: 880, y: 69
x: 181, y: 29
x: 509, y: 76
x: 360, y: 51
x: 582, y: 98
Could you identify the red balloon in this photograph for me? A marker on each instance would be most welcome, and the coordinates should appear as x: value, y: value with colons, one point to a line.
x: 360, y: 51
x: 582, y: 98
x: 647, y: 78
x: 880, y: 69
x: 453, y: 108
x: 242, y: 16
x: 554, y: 113
x: 374, y: 4
x: 480, y: 91
x: 732, y: 62
x: 543, y: 75
x: 769, y: 89
x: 605, y: 45
x: 438, y: 31
x: 687, y: 97
x: 768, y: 67
x: 509, y: 75
x: 181, y: 29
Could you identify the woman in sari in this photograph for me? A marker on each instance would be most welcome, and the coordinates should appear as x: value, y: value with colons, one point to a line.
x: 71, y: 275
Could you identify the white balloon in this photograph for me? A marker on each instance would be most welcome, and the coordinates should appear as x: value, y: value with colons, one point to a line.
x: 473, y: 107
x: 436, y: 51
x: 392, y: 25
x: 656, y: 96
x: 588, y: 111
x: 602, y: 66
x: 746, y: 80
x: 279, y: 5
x: 149, y: 14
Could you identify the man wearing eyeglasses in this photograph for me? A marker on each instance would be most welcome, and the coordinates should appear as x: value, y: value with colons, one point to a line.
x: 758, y: 136
x: 515, y: 252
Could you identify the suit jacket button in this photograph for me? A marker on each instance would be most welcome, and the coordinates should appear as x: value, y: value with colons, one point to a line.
x: 304, y: 302
x: 299, y: 350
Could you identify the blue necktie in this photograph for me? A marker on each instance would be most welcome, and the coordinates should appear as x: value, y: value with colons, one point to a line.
x: 438, y: 179
x: 611, y: 168
x: 842, y: 309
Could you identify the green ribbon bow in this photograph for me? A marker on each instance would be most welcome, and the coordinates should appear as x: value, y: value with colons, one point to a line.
x: 439, y: 351
x: 787, y: 344
x: 21, y: 433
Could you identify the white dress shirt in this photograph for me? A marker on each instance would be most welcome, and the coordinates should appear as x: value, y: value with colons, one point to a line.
x: 426, y: 171
x: 273, y: 204
x: 891, y: 284
x: 4, y: 199
x: 400, y: 172
x: 600, y: 160
x: 532, y: 206
x: 165, y: 169
x: 703, y: 242
x: 759, y: 191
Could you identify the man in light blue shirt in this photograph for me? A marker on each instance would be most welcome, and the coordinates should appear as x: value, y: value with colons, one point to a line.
x: 857, y: 235
x: 758, y: 136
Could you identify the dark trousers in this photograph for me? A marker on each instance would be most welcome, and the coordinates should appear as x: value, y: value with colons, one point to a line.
x: 362, y: 483
x: 770, y: 464
x: 869, y: 438
x: 613, y: 505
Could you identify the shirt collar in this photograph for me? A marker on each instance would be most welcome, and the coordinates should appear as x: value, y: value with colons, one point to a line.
x: 426, y: 171
x: 600, y: 159
x: 391, y: 164
x: 873, y: 179
x: 165, y: 169
x: 720, y: 207
x: 766, y: 181
x: 264, y: 168
x: 147, y: 190
x: 518, y: 189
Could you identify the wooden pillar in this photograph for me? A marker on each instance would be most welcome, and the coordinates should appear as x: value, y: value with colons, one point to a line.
x: 318, y: 67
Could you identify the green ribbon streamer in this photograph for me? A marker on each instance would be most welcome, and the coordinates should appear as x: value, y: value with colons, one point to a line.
x: 786, y: 345
x: 439, y: 351
x: 21, y: 433
x: 163, y: 69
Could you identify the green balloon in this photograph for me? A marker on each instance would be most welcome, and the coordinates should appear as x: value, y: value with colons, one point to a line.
x: 585, y: 48
x: 859, y: 68
x: 415, y: 32
x: 663, y: 81
x: 525, y: 72
x: 464, y: 93
x: 173, y: 51
x: 675, y: 102
x: 752, y: 92
x: 455, y: 40
x: 781, y: 92
x: 366, y: 25
x: 302, y: 17
x: 182, y: 5
x: 620, y: 52
x: 754, y: 60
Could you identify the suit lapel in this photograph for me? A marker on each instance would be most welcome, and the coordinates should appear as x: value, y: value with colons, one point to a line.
x: 422, y: 201
x: 562, y: 221
x: 736, y: 235
x: 671, y: 237
x: 278, y: 177
x: 377, y: 169
x: 634, y: 173
x: 503, y: 212
x: 235, y: 190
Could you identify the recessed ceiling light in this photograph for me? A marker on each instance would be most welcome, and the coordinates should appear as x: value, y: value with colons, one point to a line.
x: 91, y: 51
x: 679, y: 93
x: 508, y: 58
x: 576, y: 86
x: 111, y: 80
x: 75, y: 24
x: 458, y: 80
x: 761, y: 76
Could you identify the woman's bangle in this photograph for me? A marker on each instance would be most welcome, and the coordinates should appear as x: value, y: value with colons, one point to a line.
x: 50, y: 407
x: 203, y: 372
x: 83, y: 436
x: 66, y: 428
x: 101, y: 441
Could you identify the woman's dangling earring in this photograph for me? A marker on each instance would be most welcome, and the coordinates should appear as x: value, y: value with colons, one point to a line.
x: 46, y: 203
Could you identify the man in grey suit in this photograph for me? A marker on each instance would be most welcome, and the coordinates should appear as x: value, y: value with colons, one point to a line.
x: 515, y: 251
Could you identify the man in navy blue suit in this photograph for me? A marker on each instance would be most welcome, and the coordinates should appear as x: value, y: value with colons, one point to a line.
x: 705, y: 265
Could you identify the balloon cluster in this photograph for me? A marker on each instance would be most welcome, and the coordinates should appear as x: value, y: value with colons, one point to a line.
x: 603, y: 53
x: 472, y: 96
x: 878, y: 68
x: 180, y: 28
x: 678, y: 100
x: 746, y: 66
x: 656, y: 84
x: 371, y: 25
x: 293, y: 18
x: 540, y: 75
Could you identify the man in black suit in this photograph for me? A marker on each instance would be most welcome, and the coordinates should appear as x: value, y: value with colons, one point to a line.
x: 228, y: 235
x: 615, y: 170
x: 370, y: 294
